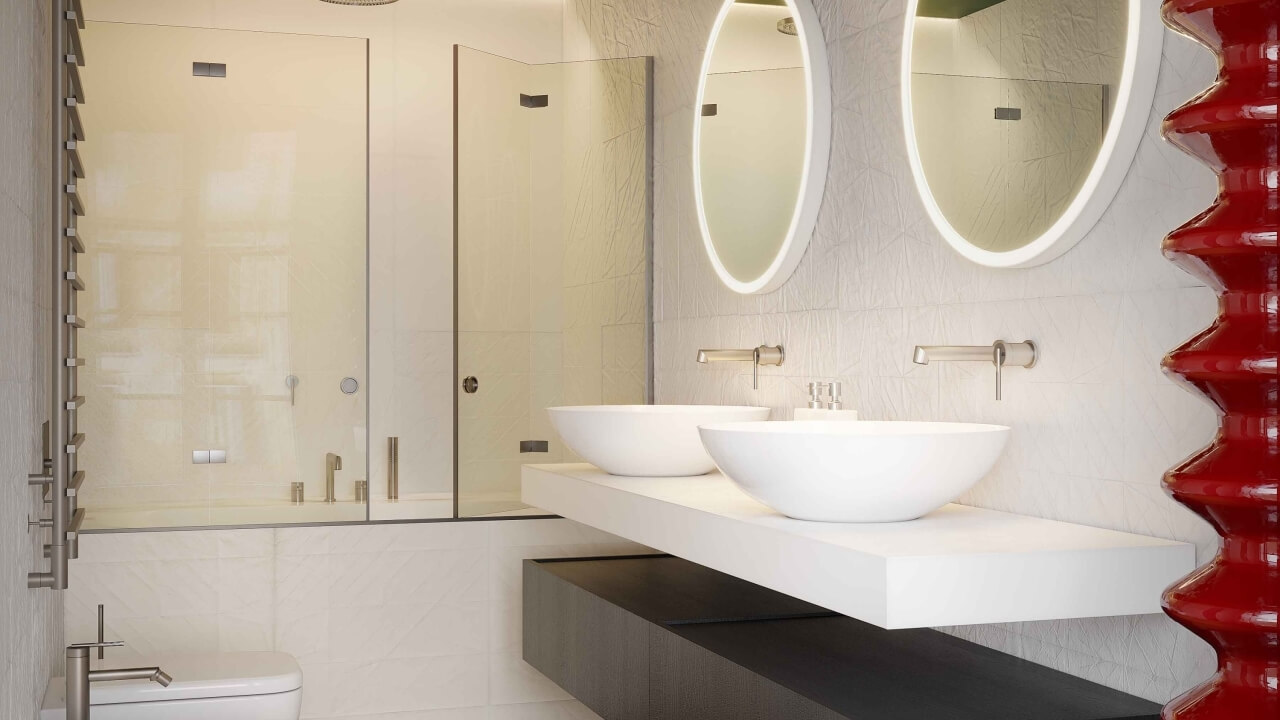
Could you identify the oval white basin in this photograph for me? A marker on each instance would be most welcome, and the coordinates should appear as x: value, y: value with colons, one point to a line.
x: 645, y: 440
x: 859, y: 472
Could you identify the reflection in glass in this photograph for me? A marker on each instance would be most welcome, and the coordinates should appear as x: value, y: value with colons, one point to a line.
x: 1025, y: 152
x: 1011, y: 105
x: 227, y: 255
x: 553, y: 259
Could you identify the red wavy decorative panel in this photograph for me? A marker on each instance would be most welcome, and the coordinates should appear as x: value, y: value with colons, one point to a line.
x: 1234, y: 601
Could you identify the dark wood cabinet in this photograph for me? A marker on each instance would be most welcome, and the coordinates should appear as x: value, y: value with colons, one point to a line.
x: 660, y: 638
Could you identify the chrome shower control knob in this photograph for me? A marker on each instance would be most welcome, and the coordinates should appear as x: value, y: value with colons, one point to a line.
x: 470, y: 384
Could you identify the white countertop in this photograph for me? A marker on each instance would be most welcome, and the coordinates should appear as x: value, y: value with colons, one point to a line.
x: 957, y: 566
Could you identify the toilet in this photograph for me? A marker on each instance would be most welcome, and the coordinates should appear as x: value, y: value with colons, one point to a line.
x: 223, y: 686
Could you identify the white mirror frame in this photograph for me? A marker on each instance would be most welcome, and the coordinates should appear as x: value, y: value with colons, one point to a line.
x: 1143, y: 50
x: 817, y: 153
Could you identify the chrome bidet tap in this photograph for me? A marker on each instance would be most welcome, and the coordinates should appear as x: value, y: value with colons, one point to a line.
x: 79, y: 676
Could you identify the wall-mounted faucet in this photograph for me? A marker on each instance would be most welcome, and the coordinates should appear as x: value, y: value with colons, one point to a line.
x: 763, y: 355
x: 999, y: 353
x: 332, y: 463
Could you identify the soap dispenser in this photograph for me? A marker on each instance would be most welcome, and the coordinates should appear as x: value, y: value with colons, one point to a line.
x: 831, y: 410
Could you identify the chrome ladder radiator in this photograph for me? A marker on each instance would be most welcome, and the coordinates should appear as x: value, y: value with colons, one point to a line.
x: 60, y: 478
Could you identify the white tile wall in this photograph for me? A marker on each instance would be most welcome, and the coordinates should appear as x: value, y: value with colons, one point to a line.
x: 407, y: 622
x: 1095, y: 424
x: 30, y: 620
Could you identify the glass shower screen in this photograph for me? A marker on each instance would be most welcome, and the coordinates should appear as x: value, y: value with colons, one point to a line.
x: 226, y: 277
x: 553, y: 235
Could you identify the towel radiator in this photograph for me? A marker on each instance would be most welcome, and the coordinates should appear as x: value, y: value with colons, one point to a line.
x: 59, y: 477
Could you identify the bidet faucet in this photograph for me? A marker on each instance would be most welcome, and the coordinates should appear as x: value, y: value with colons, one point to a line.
x: 763, y: 355
x: 332, y: 463
x: 79, y: 676
x: 999, y: 353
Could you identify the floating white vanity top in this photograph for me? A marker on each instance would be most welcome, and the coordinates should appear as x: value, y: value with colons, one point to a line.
x: 957, y: 566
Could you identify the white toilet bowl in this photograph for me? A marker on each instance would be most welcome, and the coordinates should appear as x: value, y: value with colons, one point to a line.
x: 225, y: 686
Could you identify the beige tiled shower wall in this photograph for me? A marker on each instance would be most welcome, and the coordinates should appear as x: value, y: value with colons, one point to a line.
x: 1096, y: 424
x: 226, y: 253
x: 31, y: 621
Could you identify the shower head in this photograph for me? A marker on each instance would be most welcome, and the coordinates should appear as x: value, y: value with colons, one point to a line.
x: 359, y: 2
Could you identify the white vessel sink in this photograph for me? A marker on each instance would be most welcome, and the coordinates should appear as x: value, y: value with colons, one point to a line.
x: 645, y: 440
x: 861, y: 472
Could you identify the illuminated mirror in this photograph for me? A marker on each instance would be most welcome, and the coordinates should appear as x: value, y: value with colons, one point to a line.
x: 761, y: 140
x: 1023, y: 117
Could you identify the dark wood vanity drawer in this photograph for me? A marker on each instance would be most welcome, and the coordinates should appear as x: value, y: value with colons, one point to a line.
x: 664, y: 639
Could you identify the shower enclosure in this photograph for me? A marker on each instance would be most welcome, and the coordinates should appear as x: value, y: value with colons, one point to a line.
x: 553, y: 236
x: 228, y: 370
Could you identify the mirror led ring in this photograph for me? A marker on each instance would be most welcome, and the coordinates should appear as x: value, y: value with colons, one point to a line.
x: 1144, y: 46
x: 817, y: 154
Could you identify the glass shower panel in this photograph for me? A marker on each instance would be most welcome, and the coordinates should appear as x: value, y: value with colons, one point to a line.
x: 553, y: 263
x: 226, y: 300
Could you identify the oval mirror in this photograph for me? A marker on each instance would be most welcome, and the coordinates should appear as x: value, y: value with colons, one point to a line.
x: 1023, y: 117
x: 761, y: 140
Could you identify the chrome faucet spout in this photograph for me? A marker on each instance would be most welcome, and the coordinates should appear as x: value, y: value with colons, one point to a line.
x: 154, y: 674
x: 719, y: 356
x: 926, y: 354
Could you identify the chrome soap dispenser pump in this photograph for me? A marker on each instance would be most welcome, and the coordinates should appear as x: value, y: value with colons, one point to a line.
x: 831, y: 408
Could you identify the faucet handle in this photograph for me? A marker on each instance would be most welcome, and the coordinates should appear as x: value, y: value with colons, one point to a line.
x: 105, y: 644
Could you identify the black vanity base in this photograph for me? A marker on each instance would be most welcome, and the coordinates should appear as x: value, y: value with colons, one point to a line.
x: 660, y: 638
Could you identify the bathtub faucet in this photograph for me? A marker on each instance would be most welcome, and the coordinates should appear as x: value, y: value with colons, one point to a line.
x: 332, y: 463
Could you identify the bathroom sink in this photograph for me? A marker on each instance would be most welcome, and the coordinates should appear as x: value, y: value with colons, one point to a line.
x: 858, y: 472
x: 645, y: 440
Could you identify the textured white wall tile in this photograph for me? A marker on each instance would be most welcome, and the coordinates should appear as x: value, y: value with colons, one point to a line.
x: 31, y: 621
